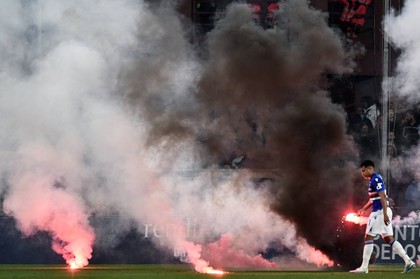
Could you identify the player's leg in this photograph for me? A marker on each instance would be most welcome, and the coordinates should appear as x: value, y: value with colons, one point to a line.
x: 396, y: 246
x: 399, y: 250
x: 368, y: 247
x: 367, y: 253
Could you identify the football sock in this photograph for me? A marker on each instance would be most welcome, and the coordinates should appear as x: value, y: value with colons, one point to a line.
x: 367, y: 252
x: 398, y: 249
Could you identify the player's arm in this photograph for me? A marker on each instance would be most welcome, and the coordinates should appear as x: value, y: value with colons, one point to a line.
x: 364, y: 208
x: 385, y: 207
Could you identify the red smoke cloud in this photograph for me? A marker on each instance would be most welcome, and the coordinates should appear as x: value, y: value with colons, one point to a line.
x: 53, y: 210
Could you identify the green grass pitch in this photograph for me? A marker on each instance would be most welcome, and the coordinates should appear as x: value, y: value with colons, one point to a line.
x: 185, y: 272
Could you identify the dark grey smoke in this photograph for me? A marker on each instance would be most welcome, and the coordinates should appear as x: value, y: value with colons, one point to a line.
x: 258, y: 94
x: 264, y: 85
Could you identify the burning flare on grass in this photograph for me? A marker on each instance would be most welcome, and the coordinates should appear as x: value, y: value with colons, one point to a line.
x: 77, y: 262
x: 354, y: 218
x: 195, y: 258
x: 210, y: 270
x: 202, y: 266
x: 73, y: 265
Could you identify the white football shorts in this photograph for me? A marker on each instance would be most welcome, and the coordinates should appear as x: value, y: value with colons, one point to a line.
x: 376, y: 224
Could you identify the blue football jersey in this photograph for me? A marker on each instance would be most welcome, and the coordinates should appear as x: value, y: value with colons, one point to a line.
x: 376, y: 185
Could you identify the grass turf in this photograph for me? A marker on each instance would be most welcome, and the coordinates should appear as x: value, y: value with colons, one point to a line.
x: 184, y: 272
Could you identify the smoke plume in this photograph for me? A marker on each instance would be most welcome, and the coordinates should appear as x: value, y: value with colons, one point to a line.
x: 258, y: 99
x: 107, y: 108
x: 403, y: 34
x: 412, y: 218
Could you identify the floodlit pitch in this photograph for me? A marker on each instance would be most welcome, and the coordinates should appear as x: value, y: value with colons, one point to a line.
x: 179, y: 271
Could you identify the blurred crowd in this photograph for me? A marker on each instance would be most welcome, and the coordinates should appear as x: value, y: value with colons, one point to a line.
x: 365, y: 125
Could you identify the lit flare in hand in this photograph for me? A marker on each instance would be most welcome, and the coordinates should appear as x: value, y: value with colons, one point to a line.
x: 354, y: 218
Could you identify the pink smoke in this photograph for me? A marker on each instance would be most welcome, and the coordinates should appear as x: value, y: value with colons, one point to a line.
x: 54, y: 210
x: 194, y: 257
x: 222, y: 254
x: 312, y: 255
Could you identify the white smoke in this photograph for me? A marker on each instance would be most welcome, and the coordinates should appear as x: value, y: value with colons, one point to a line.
x: 234, y: 207
x: 404, y: 35
x: 411, y: 219
x: 58, y: 117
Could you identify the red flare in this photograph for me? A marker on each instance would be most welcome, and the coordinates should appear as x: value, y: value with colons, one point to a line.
x: 354, y: 218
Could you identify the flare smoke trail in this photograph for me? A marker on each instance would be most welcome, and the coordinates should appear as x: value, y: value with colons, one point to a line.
x: 106, y: 108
